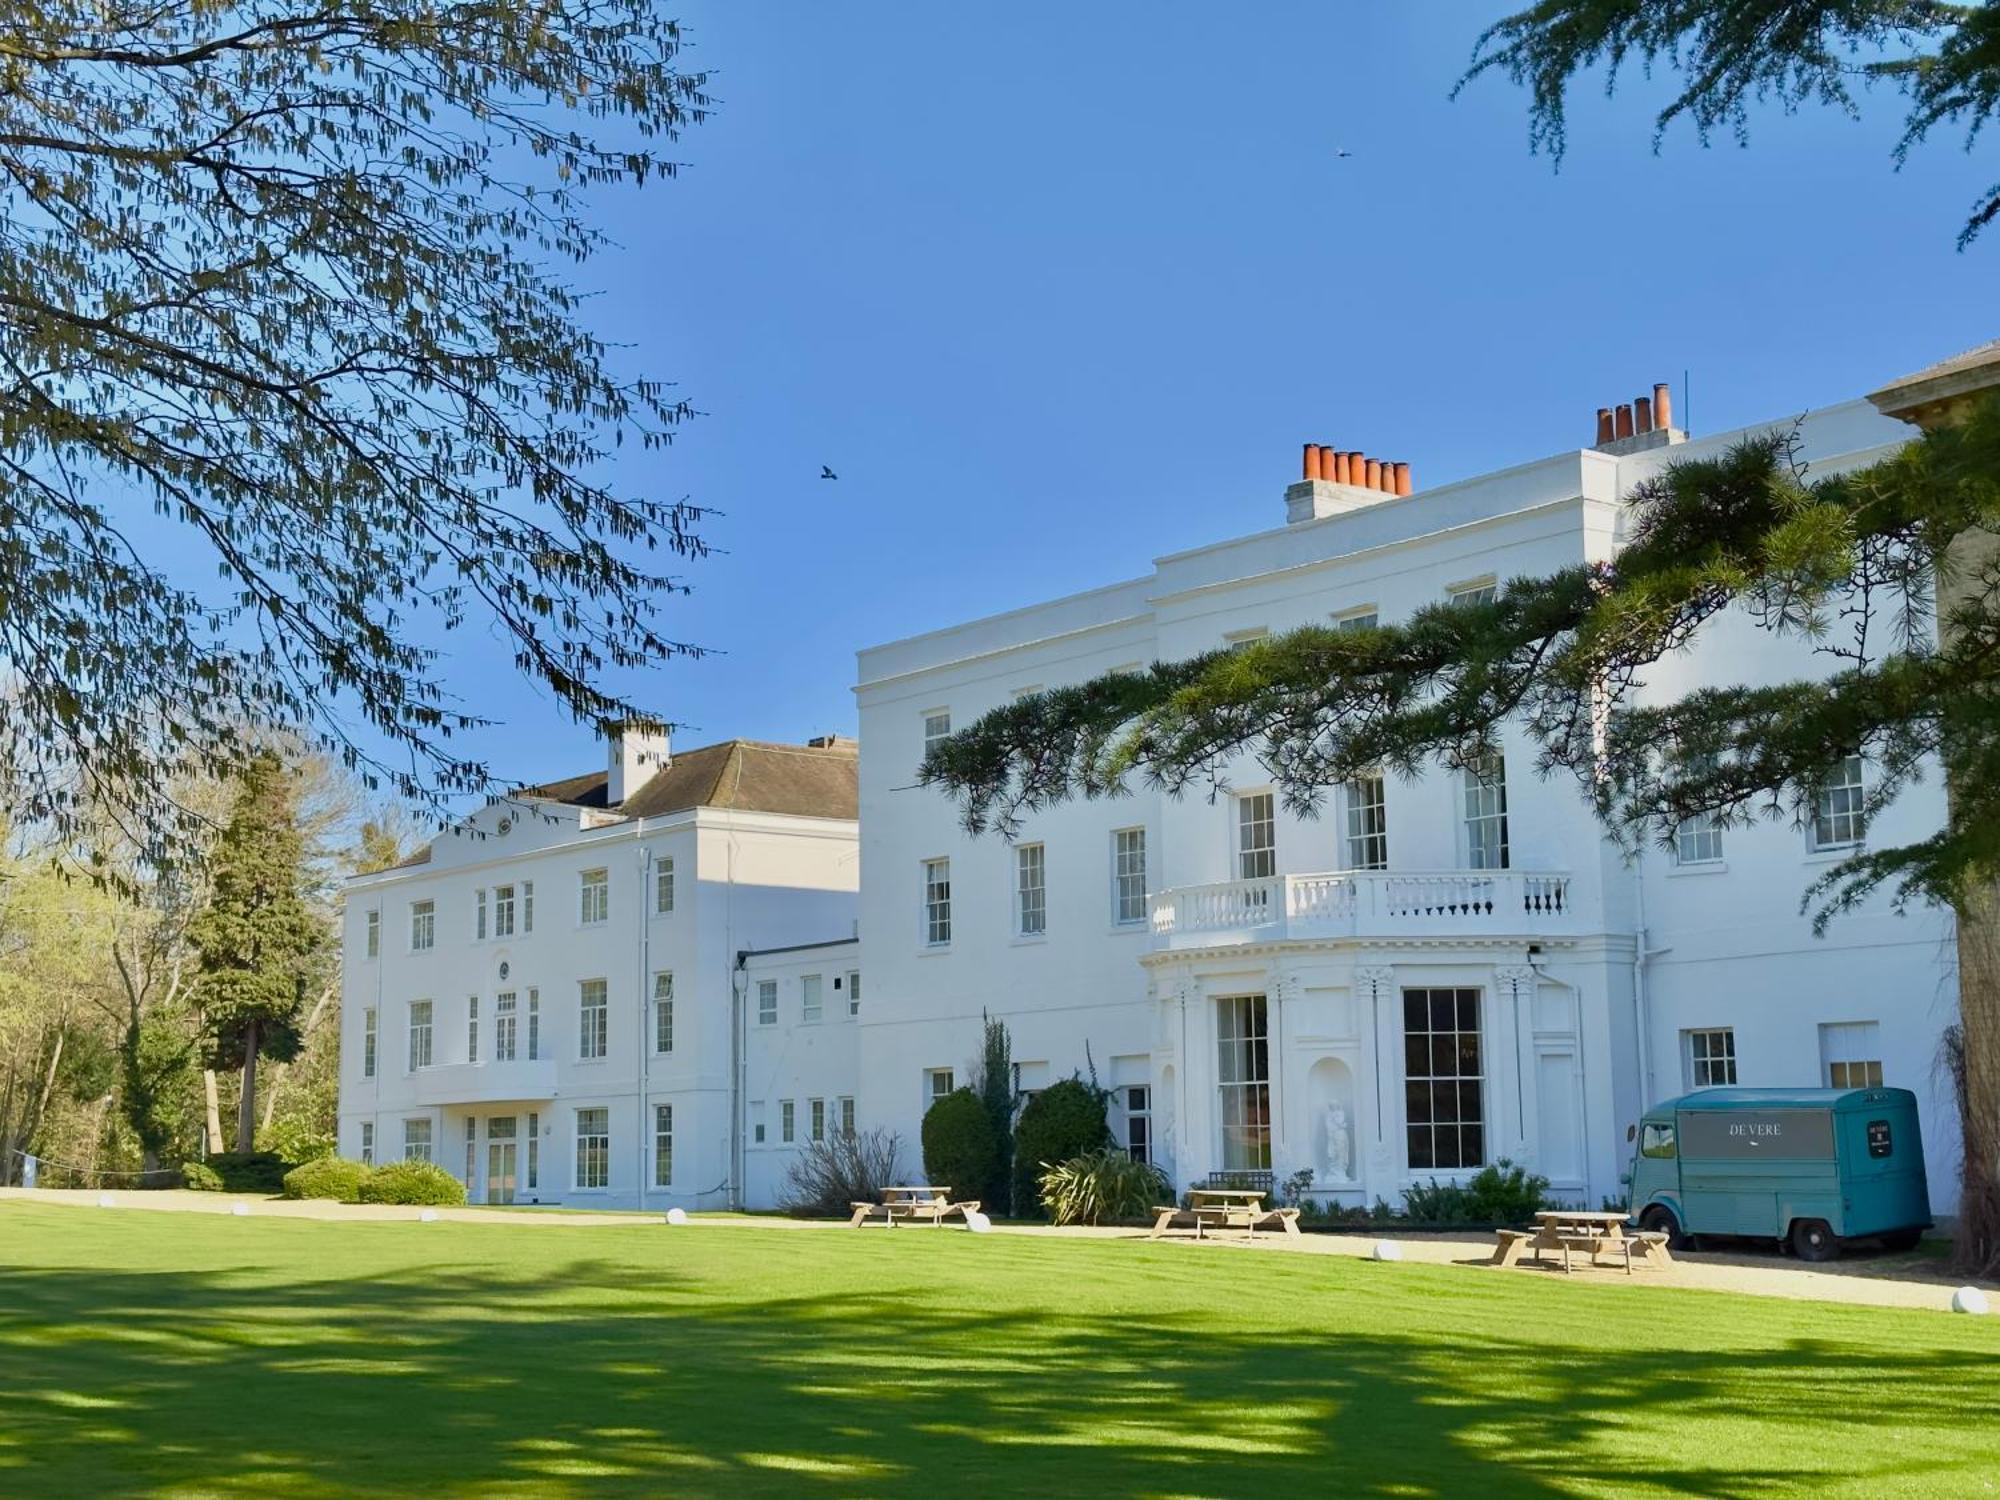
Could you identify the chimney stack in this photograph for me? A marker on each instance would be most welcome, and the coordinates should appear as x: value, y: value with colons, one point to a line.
x: 1323, y: 467
x: 1644, y: 422
x: 635, y: 754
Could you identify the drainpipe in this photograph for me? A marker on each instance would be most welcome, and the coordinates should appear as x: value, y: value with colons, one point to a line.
x: 739, y: 1064
x: 1641, y: 954
x: 645, y: 1066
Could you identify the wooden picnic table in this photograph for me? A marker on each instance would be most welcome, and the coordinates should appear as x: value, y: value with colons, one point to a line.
x: 1581, y: 1231
x: 913, y: 1201
x: 1225, y: 1208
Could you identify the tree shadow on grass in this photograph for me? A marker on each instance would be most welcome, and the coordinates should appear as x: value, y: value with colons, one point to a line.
x: 611, y: 1376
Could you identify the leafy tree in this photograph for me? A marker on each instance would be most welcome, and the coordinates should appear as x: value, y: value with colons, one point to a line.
x: 1944, y: 58
x: 261, y: 945
x: 281, y: 275
x: 1062, y: 1122
x: 1855, y: 562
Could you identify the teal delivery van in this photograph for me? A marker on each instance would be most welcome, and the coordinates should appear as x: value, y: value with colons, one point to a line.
x: 1813, y: 1167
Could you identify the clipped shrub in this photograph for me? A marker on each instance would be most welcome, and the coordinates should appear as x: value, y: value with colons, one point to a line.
x: 959, y: 1150
x: 418, y: 1182
x: 200, y: 1176
x: 1436, y: 1202
x: 249, y: 1171
x: 1105, y: 1185
x: 1062, y: 1122
x: 327, y: 1177
x: 843, y: 1169
x: 1506, y: 1194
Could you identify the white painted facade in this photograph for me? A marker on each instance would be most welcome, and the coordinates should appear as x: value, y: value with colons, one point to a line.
x: 1574, y: 979
x: 1148, y: 937
x: 523, y: 1088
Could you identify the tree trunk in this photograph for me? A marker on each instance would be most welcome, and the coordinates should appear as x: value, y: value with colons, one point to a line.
x: 246, y: 1106
x: 1976, y: 1249
x: 214, y: 1111
x: 9, y: 1166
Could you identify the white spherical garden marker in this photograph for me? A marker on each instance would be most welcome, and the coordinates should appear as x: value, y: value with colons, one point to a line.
x: 977, y: 1222
x: 240, y: 1210
x: 1388, y: 1250
x: 677, y: 1216
x: 105, y: 1200
x: 428, y: 1216
x: 1968, y: 1299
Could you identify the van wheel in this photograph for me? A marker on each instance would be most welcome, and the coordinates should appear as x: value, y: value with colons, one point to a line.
x: 1660, y: 1220
x: 1814, y: 1239
x: 1901, y: 1240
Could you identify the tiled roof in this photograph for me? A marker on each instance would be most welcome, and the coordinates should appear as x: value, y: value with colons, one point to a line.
x: 746, y: 775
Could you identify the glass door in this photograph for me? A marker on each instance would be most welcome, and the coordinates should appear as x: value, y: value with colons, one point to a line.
x: 501, y: 1156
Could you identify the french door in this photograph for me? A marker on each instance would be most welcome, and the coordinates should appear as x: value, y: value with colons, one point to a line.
x: 502, y: 1158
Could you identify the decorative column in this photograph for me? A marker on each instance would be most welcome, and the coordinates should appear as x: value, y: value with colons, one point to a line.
x: 1517, y: 989
x: 1381, y: 986
x: 1186, y: 995
x: 1280, y: 986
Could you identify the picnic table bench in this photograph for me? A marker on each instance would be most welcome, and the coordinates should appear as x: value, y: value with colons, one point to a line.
x: 1225, y: 1208
x: 919, y: 1202
x: 1580, y: 1232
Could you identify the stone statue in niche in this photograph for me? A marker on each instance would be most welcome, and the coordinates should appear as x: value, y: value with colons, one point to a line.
x: 1339, y: 1157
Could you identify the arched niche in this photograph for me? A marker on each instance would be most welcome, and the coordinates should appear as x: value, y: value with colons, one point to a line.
x: 1333, y: 1127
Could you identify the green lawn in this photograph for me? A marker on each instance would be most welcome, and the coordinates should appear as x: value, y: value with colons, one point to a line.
x: 186, y: 1354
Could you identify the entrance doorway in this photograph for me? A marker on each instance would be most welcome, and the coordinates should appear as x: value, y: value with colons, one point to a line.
x: 501, y: 1158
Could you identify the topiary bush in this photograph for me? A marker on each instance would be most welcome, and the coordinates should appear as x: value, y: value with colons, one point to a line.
x: 959, y: 1150
x: 1106, y: 1185
x: 327, y: 1177
x: 1064, y: 1121
x: 419, y: 1182
x: 249, y: 1171
x: 200, y: 1176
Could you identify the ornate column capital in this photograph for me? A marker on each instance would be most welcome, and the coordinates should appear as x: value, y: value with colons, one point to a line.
x: 1379, y: 977
x: 1517, y: 976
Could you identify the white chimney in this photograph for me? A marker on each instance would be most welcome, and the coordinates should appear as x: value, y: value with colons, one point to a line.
x: 635, y: 755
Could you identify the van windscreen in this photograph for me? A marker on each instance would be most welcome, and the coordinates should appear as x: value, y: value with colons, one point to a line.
x: 1751, y: 1134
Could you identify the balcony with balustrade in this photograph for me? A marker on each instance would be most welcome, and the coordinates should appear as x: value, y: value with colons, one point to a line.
x: 1366, y: 905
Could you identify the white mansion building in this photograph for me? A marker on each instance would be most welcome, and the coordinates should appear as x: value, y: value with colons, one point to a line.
x: 644, y: 986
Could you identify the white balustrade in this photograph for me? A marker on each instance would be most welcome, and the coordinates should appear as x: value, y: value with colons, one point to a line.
x: 1363, y: 903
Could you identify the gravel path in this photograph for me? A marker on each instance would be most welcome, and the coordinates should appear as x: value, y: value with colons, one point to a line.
x: 1879, y: 1281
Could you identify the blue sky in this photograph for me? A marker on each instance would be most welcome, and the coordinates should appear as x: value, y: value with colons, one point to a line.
x: 1056, y: 289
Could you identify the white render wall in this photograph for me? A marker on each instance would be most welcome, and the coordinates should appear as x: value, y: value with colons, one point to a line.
x: 1562, y: 1019
x: 742, y: 880
x: 797, y: 1059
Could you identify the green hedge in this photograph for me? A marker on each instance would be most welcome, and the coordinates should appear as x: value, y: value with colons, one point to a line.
x: 328, y: 1177
x: 238, y: 1172
x: 423, y: 1182
x: 959, y: 1149
x: 200, y: 1176
x: 1062, y: 1122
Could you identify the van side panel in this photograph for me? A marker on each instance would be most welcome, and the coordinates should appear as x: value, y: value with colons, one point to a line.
x: 1883, y: 1186
x: 1753, y: 1171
